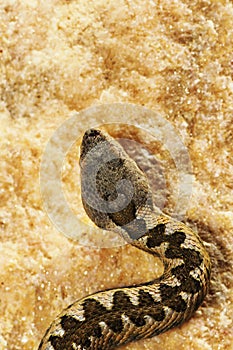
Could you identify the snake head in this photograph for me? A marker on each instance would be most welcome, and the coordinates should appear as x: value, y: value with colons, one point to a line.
x: 113, y: 188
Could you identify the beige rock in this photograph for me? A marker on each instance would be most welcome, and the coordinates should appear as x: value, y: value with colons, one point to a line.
x: 60, y: 57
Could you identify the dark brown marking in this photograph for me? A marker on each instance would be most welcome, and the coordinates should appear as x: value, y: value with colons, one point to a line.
x: 156, y: 236
x: 170, y: 298
x: 68, y: 322
x: 71, y: 327
x: 189, y: 283
x: 145, y: 299
x: 124, y: 216
x: 137, y: 319
x: 97, y: 332
x: 93, y: 307
x: 115, y: 323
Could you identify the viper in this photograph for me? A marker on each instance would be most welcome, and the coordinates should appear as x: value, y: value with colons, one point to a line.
x: 116, y: 196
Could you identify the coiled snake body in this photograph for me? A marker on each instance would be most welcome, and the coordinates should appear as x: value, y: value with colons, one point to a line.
x: 116, y: 196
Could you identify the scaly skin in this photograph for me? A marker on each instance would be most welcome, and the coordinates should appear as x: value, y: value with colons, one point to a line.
x: 111, y: 318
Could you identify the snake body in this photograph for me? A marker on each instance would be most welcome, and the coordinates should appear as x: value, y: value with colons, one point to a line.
x: 116, y: 196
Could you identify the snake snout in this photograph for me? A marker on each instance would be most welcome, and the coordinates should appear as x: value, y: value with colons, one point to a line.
x: 91, y: 138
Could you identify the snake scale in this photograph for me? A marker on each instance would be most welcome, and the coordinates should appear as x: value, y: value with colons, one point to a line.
x: 116, y: 196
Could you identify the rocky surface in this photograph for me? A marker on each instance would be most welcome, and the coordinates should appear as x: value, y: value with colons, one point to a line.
x: 59, y: 57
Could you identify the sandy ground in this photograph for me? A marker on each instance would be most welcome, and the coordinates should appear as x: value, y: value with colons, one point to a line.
x: 60, y: 57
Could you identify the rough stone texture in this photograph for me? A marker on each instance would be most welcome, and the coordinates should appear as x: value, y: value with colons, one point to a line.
x: 58, y: 57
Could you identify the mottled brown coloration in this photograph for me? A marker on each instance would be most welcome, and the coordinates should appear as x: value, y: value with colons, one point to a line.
x: 116, y: 196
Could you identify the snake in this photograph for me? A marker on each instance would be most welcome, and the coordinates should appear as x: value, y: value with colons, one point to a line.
x: 116, y: 196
